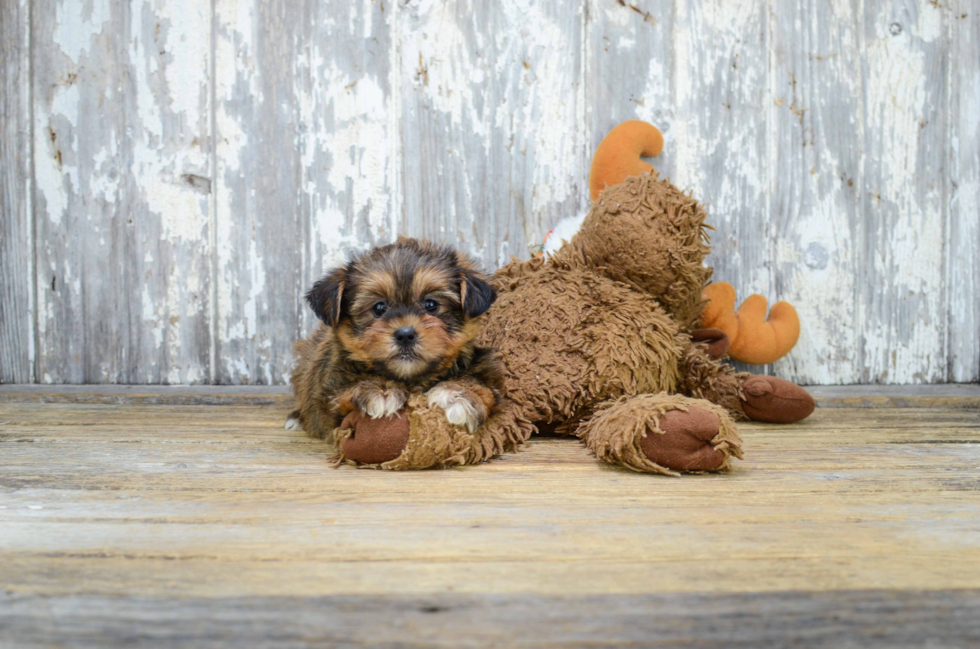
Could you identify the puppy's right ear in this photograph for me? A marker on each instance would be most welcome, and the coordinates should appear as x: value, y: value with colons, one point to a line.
x: 475, y: 293
x: 326, y: 297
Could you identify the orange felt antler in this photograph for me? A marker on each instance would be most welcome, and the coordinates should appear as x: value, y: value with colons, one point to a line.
x: 618, y: 155
x: 754, y: 339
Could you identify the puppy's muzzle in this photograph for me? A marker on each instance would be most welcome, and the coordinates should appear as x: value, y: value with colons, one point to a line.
x: 406, y: 337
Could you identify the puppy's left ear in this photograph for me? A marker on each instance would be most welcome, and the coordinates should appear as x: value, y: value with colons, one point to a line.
x: 475, y: 293
x: 327, y: 296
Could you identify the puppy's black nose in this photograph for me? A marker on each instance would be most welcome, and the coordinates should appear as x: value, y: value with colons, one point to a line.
x: 406, y: 336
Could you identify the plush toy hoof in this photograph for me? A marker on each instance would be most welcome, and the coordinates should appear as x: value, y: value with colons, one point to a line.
x: 373, y: 441
x: 775, y: 401
x: 718, y: 341
x: 685, y: 444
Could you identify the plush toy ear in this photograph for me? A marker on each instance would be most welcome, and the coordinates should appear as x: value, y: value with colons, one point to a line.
x: 475, y: 294
x: 326, y: 296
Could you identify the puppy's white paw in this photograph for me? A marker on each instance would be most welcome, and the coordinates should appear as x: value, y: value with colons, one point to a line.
x: 383, y: 404
x: 293, y: 424
x: 460, y: 411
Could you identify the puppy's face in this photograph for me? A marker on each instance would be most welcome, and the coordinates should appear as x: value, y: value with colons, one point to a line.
x: 407, y: 309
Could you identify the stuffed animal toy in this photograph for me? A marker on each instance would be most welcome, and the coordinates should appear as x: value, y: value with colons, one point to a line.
x: 596, y: 342
x: 744, y: 334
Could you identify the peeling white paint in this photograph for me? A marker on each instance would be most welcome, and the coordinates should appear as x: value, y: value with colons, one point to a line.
x: 541, y: 99
x: 910, y: 246
x: 811, y: 145
x: 113, y: 139
x: 76, y: 23
x: 447, y: 74
x: 55, y: 148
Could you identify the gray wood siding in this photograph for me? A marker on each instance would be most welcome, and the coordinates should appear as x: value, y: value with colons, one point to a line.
x: 16, y: 282
x: 121, y: 191
x: 176, y: 174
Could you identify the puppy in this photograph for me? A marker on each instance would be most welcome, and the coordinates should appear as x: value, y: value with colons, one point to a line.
x: 396, y: 320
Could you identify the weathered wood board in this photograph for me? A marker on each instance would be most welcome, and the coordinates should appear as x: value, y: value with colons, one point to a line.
x: 963, y: 187
x: 16, y: 234
x: 121, y: 191
x: 492, y: 122
x: 815, y: 207
x: 904, y: 170
x: 175, y: 175
x: 886, y: 619
x: 203, y: 525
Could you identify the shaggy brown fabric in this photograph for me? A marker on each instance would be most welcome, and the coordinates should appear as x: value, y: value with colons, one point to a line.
x: 705, y: 378
x: 570, y: 338
x: 651, y: 235
x: 618, y: 428
x: 717, y: 340
x: 594, y: 339
x: 433, y: 442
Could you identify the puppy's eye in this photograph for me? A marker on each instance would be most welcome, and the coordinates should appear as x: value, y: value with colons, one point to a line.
x: 379, y: 308
x: 430, y: 305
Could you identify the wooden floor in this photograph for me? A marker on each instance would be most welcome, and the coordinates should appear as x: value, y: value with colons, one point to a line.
x: 137, y: 518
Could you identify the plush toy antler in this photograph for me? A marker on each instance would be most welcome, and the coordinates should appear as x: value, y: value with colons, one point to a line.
x: 754, y: 339
x: 618, y: 155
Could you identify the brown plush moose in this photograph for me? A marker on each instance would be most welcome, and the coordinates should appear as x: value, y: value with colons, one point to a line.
x: 596, y: 342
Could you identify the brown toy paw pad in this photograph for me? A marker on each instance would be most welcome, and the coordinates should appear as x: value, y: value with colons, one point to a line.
x: 685, y: 444
x: 373, y: 441
x: 775, y: 401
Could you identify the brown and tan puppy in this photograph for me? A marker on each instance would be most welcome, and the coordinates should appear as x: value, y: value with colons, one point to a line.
x: 397, y: 321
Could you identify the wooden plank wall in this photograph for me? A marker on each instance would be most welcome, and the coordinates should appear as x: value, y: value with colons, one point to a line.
x: 16, y: 268
x: 175, y: 174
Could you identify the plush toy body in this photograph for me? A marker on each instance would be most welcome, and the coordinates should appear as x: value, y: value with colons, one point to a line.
x: 596, y: 342
x: 595, y: 339
x: 744, y: 334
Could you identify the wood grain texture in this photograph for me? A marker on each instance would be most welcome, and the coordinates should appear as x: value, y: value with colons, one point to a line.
x: 539, y: 154
x: 305, y: 169
x: 348, y: 122
x: 830, y: 620
x: 491, y: 144
x: 697, y: 71
x: 962, y: 260
x: 815, y: 186
x: 16, y: 314
x: 722, y: 98
x: 121, y: 132
x: 904, y: 170
x: 630, y: 64
x: 259, y: 182
x: 200, y: 525
x: 834, y: 144
x: 16, y: 213
x: 100, y: 499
